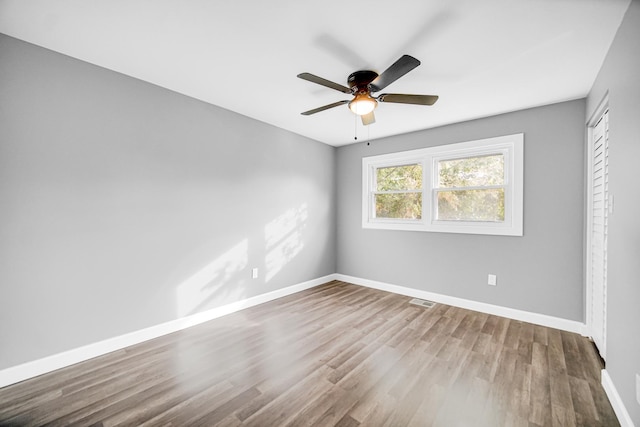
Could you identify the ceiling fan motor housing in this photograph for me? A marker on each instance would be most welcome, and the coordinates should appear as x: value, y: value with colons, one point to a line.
x: 359, y: 80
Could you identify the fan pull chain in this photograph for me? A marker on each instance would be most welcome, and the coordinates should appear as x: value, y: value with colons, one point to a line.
x: 355, y: 127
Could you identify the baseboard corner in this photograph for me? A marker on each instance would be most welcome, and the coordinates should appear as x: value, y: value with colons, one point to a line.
x: 616, y: 401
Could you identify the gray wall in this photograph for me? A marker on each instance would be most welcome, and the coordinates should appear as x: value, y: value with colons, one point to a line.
x: 541, y: 272
x: 124, y: 205
x: 620, y: 77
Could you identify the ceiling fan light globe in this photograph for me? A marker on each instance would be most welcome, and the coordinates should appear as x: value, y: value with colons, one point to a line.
x: 363, y: 104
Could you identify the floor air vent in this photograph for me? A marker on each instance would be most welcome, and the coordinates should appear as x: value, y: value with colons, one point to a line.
x: 422, y: 303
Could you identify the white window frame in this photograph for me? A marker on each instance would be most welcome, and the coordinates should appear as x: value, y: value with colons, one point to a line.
x: 511, y: 146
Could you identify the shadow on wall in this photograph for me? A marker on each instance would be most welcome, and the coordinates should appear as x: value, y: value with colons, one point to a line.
x: 212, y: 282
x: 283, y: 239
x: 225, y: 279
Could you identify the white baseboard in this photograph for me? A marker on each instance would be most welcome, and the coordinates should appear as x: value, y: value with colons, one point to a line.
x: 616, y: 402
x: 511, y: 313
x: 34, y: 368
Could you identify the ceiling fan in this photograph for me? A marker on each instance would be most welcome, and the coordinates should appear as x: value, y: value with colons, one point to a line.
x: 365, y: 82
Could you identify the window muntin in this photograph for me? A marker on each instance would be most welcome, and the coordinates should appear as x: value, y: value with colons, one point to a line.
x: 472, y: 187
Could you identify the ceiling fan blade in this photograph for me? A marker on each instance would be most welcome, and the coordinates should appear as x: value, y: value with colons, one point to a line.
x: 324, y: 82
x: 398, y: 69
x: 399, y: 98
x: 368, y: 119
x: 325, y: 107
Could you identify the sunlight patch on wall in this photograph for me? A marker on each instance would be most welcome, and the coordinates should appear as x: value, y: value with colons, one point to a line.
x: 283, y: 239
x: 211, y: 282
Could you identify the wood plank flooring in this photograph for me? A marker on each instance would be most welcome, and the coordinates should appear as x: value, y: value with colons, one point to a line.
x: 335, y: 355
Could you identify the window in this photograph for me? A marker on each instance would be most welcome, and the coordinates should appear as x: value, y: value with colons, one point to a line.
x: 398, y: 192
x: 472, y: 187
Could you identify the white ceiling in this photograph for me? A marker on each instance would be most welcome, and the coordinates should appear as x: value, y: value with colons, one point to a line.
x: 482, y: 57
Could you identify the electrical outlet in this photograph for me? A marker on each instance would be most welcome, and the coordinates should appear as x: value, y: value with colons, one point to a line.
x: 638, y: 388
x: 492, y: 280
x: 254, y: 273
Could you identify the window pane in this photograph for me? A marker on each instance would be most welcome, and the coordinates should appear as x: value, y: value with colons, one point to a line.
x: 399, y: 205
x: 471, y: 205
x: 399, y: 178
x: 472, y: 171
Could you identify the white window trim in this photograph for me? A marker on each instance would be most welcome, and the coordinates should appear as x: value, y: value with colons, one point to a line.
x: 512, y: 146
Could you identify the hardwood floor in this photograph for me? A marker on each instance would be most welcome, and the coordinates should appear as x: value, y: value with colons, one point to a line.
x: 335, y: 355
